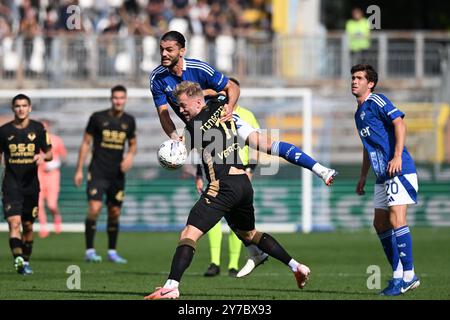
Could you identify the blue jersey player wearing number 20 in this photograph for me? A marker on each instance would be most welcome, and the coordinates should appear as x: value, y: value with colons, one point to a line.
x: 383, y: 132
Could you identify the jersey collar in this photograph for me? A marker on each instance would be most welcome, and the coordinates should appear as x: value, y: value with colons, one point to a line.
x: 370, y: 94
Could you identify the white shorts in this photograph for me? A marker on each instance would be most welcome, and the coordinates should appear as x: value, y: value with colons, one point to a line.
x: 243, y: 128
x: 396, y: 191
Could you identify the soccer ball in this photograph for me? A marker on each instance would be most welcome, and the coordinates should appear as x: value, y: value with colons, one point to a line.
x: 172, y: 154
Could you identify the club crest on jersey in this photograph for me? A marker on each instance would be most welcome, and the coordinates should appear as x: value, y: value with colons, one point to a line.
x: 105, y: 123
x: 32, y: 136
x: 124, y: 126
x: 362, y: 115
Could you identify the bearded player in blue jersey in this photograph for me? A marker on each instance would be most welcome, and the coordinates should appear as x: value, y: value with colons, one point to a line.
x: 174, y: 69
x: 383, y: 132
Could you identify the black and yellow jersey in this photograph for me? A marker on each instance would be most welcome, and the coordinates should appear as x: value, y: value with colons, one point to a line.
x: 19, y: 146
x: 217, y: 142
x: 109, y: 134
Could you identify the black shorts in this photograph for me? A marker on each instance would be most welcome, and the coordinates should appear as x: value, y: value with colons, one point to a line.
x: 19, y: 204
x: 113, y: 188
x: 233, y: 199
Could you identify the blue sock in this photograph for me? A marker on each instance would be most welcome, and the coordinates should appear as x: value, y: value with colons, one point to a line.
x: 389, y: 243
x: 404, y: 245
x: 292, y: 154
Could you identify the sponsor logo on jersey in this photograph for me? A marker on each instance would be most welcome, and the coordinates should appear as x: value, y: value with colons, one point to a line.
x: 213, y: 120
x: 10, y: 138
x: 225, y: 153
x: 365, y: 132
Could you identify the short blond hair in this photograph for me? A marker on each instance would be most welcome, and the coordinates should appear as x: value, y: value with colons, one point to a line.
x: 189, y: 88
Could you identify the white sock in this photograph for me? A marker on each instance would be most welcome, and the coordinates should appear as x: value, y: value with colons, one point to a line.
x: 90, y: 251
x: 398, y: 273
x: 171, y: 284
x: 318, y: 169
x: 253, y: 250
x: 408, y: 275
x: 112, y: 251
x: 25, y: 263
x: 293, y: 265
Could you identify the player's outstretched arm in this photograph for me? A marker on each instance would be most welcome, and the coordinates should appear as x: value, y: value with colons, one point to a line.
x: 167, y: 123
x: 82, y: 154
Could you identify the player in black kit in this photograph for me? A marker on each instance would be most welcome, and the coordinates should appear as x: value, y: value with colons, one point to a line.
x: 108, y: 130
x: 229, y: 193
x: 21, y: 143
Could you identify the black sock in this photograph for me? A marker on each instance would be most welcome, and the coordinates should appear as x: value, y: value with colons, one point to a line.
x: 89, y: 233
x: 113, y: 232
x: 181, y: 261
x: 27, y: 248
x: 16, y: 247
x: 270, y: 246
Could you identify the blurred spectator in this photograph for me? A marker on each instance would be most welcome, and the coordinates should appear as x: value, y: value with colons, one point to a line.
x: 5, y: 10
x: 51, y: 22
x: 111, y: 24
x: 358, y: 34
x: 180, y: 21
x: 5, y: 28
x: 209, y: 24
x: 255, y: 19
x: 198, y: 14
x: 159, y: 16
x: 29, y: 24
x: 30, y: 29
x: 212, y: 26
x: 138, y: 17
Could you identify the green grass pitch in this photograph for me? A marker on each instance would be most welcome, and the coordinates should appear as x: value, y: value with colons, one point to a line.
x: 338, y: 261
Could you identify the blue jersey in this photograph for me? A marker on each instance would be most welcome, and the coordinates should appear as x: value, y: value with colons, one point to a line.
x: 374, y: 123
x: 163, y: 82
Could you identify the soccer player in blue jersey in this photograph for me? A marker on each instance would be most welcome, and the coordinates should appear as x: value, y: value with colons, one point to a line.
x: 382, y: 131
x: 175, y: 68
